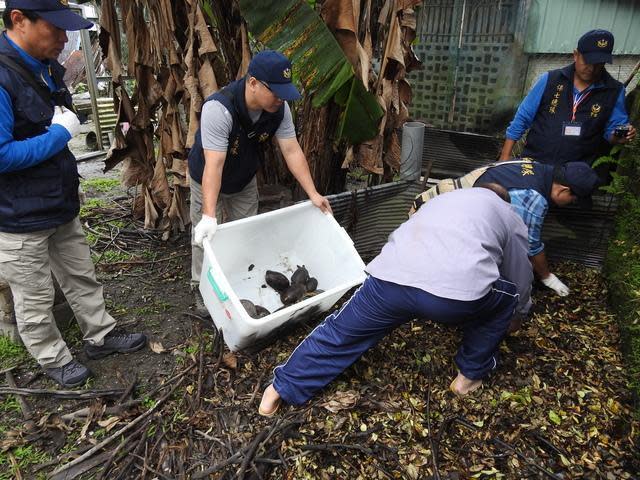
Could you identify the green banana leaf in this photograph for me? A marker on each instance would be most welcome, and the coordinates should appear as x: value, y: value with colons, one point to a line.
x: 319, y: 65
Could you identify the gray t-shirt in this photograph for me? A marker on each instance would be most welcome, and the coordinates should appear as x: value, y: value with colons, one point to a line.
x: 216, y: 123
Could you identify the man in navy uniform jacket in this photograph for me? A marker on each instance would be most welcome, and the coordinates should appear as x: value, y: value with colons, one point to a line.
x: 572, y: 113
x: 40, y: 231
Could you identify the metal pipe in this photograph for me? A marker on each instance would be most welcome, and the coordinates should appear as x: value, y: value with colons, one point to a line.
x: 92, y: 83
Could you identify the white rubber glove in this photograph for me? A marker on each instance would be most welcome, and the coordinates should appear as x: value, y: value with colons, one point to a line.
x: 555, y: 284
x: 206, y: 228
x: 66, y: 118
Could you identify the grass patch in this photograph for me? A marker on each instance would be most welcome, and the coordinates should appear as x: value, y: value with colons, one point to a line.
x: 90, y: 206
x: 10, y: 405
x: 100, y: 184
x: 155, y: 307
x: 111, y: 256
x: 25, y: 457
x: 11, y: 353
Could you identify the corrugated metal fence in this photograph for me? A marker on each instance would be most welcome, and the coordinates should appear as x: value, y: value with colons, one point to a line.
x: 369, y: 215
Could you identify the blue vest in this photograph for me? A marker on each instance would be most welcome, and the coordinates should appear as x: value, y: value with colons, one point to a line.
x: 531, y: 175
x: 244, y: 152
x: 45, y: 195
x: 545, y: 142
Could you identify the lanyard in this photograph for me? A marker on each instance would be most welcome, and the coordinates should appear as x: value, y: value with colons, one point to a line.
x: 577, y: 100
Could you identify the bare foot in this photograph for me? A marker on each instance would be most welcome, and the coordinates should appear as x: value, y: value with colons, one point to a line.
x: 462, y: 385
x: 270, y: 402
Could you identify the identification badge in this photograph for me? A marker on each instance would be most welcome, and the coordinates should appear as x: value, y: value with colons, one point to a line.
x: 571, y: 129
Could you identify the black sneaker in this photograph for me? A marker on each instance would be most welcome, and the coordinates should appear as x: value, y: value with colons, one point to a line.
x: 116, y: 343
x: 73, y: 374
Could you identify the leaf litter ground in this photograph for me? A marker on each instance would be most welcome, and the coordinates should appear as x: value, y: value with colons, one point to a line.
x: 556, y: 407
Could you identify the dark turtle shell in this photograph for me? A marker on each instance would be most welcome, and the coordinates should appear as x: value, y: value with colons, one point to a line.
x: 292, y: 294
x: 249, y: 307
x: 261, y: 311
x: 301, y: 275
x: 312, y: 284
x: 276, y: 280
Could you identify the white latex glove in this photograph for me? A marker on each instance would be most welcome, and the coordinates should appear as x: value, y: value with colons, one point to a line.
x: 555, y: 284
x: 66, y: 118
x: 206, y: 228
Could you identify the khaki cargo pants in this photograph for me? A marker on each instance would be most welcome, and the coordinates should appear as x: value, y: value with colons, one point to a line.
x: 26, y: 263
x: 234, y: 205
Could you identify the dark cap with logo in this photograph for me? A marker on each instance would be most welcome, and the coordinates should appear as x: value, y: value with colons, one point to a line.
x: 56, y: 12
x: 580, y: 178
x: 596, y: 46
x: 274, y: 69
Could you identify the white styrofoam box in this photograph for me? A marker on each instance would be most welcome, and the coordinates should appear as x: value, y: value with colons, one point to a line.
x: 280, y: 241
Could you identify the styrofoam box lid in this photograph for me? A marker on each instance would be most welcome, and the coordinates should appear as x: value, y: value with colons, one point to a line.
x: 280, y: 240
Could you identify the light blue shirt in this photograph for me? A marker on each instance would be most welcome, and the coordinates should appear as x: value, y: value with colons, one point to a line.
x: 20, y: 154
x: 529, y: 107
x: 532, y: 208
x: 456, y: 246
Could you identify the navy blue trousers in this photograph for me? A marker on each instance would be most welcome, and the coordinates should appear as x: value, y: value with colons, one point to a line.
x: 377, y: 308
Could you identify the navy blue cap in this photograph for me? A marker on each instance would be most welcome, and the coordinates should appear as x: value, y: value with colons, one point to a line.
x: 581, y: 179
x: 56, y: 12
x: 596, y: 46
x: 274, y: 69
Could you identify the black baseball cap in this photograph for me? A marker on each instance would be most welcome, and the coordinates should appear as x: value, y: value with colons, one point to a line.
x: 56, y: 12
x: 274, y: 69
x: 580, y: 178
x: 596, y: 46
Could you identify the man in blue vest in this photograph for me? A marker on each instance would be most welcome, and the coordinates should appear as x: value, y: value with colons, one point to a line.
x: 575, y: 112
x: 236, y: 123
x: 40, y: 232
x: 532, y: 187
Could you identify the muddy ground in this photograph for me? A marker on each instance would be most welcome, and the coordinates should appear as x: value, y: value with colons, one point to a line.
x: 557, y: 407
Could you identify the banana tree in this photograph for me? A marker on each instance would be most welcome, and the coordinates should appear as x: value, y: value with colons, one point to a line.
x: 181, y: 51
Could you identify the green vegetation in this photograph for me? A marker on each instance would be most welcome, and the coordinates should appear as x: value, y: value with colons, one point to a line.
x: 25, y: 456
x: 100, y: 184
x: 10, y: 404
x: 622, y: 266
x: 111, y: 256
x: 90, y: 205
x: 11, y: 353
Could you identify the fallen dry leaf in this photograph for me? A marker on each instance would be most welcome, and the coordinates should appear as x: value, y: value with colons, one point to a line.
x: 156, y: 347
x: 230, y: 360
x: 341, y: 401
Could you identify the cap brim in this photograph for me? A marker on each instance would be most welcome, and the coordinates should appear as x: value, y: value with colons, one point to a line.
x: 66, y: 20
x: 285, y: 91
x: 597, y: 57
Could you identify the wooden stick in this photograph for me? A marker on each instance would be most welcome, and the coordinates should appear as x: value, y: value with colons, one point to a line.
x: 141, y: 262
x: 632, y: 74
x: 27, y: 414
x: 71, y: 394
x: 116, y: 435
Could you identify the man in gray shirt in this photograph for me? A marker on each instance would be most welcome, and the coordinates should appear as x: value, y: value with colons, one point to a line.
x: 461, y: 260
x: 236, y: 123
